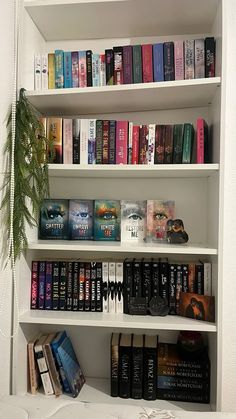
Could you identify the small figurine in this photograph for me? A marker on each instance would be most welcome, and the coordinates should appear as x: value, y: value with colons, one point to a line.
x: 175, y: 232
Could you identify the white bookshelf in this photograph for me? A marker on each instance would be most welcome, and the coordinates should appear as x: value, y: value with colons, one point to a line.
x: 195, y: 188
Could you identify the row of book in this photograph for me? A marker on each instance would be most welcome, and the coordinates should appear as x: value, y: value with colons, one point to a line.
x: 91, y: 141
x: 53, y: 363
x: 129, y: 64
x: 142, y: 368
x: 116, y: 286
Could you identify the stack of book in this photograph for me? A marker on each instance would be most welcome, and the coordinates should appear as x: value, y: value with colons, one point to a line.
x: 91, y: 141
x: 128, y: 64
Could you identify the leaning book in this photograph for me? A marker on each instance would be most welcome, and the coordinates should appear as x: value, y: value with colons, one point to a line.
x: 159, y: 212
x: 133, y: 221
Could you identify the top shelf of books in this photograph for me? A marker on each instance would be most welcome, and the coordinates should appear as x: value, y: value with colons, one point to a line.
x: 68, y: 19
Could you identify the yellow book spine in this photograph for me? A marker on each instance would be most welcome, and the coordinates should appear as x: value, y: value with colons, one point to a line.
x: 51, y: 71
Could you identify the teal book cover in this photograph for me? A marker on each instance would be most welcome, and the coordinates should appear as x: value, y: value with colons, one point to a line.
x: 53, y: 222
x: 107, y: 220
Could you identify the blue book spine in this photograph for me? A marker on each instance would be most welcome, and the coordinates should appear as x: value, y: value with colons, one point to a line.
x: 59, y: 69
x: 67, y: 70
x: 48, y: 286
x: 158, y: 62
x: 42, y: 273
x: 55, y: 345
x: 95, y: 69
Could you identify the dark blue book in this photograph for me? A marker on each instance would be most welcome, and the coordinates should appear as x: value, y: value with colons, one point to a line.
x: 54, y: 345
x: 67, y: 69
x: 71, y: 366
x: 48, y: 286
x: 42, y: 275
x: 158, y: 62
x: 53, y: 223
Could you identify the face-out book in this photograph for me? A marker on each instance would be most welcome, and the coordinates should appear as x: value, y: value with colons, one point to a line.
x: 53, y: 223
x: 81, y: 219
x: 195, y: 306
x: 133, y: 221
x: 159, y: 212
x: 107, y: 220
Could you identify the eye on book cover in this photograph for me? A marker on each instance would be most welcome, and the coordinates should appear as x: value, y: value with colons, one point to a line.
x: 159, y: 212
x: 81, y: 219
x: 53, y: 223
x: 195, y: 306
x: 107, y: 220
x: 133, y: 221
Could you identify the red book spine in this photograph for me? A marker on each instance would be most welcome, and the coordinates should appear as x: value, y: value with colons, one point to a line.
x: 34, y: 286
x: 121, y: 142
x: 200, y: 140
x: 159, y: 144
x: 105, y: 142
x: 143, y: 145
x: 147, y: 63
x: 135, y: 144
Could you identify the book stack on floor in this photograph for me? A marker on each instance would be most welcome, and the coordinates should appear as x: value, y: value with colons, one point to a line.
x: 127, y: 64
x: 53, y: 363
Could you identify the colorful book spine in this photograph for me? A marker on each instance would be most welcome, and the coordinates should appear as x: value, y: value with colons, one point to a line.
x: 127, y: 64
x: 210, y: 57
x: 102, y: 70
x: 54, y: 133
x: 98, y: 142
x: 185, y: 278
x: 105, y: 142
x: 189, y: 59
x: 76, y: 140
x: 84, y: 130
x: 187, y: 143
x: 55, y: 285
x: 34, y: 285
x: 87, y: 287
x: 51, y: 71
x: 151, y: 143
x: 135, y: 144
x: 59, y: 69
x: 75, y: 298
x: 81, y: 286
x: 112, y: 142
x: 67, y: 141
x: 62, y: 285
x: 44, y: 67
x: 89, y: 68
x: 147, y: 63
x: 109, y: 60
x: 118, y: 65
x: 130, y: 140
x: 99, y: 290
x: 169, y: 65
x: 137, y: 64
x: 42, y: 276
x: 69, y: 287
x: 200, y: 141
x: 199, y: 55
x: 82, y: 69
x: 67, y: 69
x: 48, y: 286
x: 95, y: 69
x: 75, y: 68
x: 92, y: 141
x: 159, y: 144
x: 158, y: 62
x: 37, y: 72
x: 179, y: 60
x: 105, y: 282
x: 143, y: 145
x: 191, y: 277
x: 93, y: 286
x: 121, y: 142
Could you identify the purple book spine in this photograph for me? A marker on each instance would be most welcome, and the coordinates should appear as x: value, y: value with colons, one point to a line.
x: 75, y: 68
x: 127, y: 64
x: 42, y: 272
x: 48, y: 286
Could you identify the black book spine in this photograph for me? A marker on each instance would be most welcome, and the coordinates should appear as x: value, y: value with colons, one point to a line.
x: 118, y: 65
x: 99, y: 287
x: 185, y: 278
x: 112, y: 143
x: 169, y: 65
x: 199, y: 272
x: 62, y: 285
x: 180, y: 383
x: 75, y: 286
x: 182, y: 372
x: 210, y: 57
x: 93, y: 285
x: 99, y: 142
x: 178, y: 143
x: 155, y: 279
x: 128, y: 285
x: 76, y: 141
x: 114, y: 370
x: 164, y: 285
x: 172, y: 284
x: 87, y: 287
x: 109, y: 59
x: 125, y: 372
x: 179, y: 281
x: 69, y: 290
x: 183, y: 396
x: 55, y: 286
x: 137, y: 373
x: 146, y: 283
x: 137, y: 279
x: 150, y: 374
x: 81, y: 286
x: 89, y: 68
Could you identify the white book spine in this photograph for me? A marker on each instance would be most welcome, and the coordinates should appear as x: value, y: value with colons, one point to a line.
x: 47, y: 385
x: 84, y: 129
x: 119, y: 287
x: 112, y: 287
x: 37, y: 72
x: 130, y: 142
x: 105, y: 280
x: 151, y: 143
x: 44, y: 65
x: 102, y: 70
x: 92, y: 141
x: 67, y: 141
x: 207, y: 279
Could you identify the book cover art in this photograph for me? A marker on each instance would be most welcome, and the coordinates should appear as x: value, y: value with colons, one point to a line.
x: 59, y: 69
x: 118, y: 65
x: 107, y: 220
x: 199, y: 307
x: 109, y: 59
x: 53, y: 223
x: 159, y: 212
x: 54, y: 134
x: 133, y: 221
x: 81, y: 219
x: 75, y: 68
x: 82, y: 69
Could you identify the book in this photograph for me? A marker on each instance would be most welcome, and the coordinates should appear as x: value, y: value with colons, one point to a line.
x: 102, y: 70
x: 137, y: 367
x: 159, y: 212
x: 99, y: 141
x: 178, y: 143
x: 135, y: 144
x: 75, y: 68
x: 176, y: 383
x: 105, y: 285
x: 146, y: 281
x: 82, y: 69
x: 76, y: 140
x: 55, y: 285
x: 172, y: 288
x: 159, y: 144
x: 75, y: 293
x: 59, y: 69
x: 183, y: 396
x: 169, y: 356
x: 67, y: 142
x: 179, y: 60
x: 151, y: 143
x: 125, y: 358
x: 63, y: 267
x: 44, y: 73
x: 107, y: 220
x: 130, y: 139
x: 169, y: 66
x: 112, y: 287
x: 137, y: 64
x: 207, y: 278
x: 54, y: 134
x: 95, y: 69
x: 143, y: 144
x: 89, y: 74
x: 187, y: 143
x: 42, y: 277
x: 128, y: 284
x: 158, y: 62
x: 169, y: 140
x: 155, y: 279
x: 69, y: 287
x: 209, y: 57
x: 87, y: 286
x: 48, y: 286
x: 121, y: 142
x: 54, y: 375
x: 34, y: 285
x: 202, y: 142
x: 133, y: 221
x: 137, y: 279
x: 51, y: 71
x: 195, y: 306
x: 183, y: 372
x: 164, y: 280
x: 199, y: 55
x: 105, y: 142
x: 109, y: 60
x: 84, y: 132
x: 185, y: 287
x: 93, y: 287
x: 81, y: 286
x: 53, y: 223
x: 119, y: 288
x: 150, y: 367
x: 147, y: 63
x: 118, y: 65
x: 189, y: 59
x: 37, y: 72
x: 42, y: 365
x: 80, y: 219
x: 67, y: 69
x: 178, y: 290
x: 99, y: 287
x: 127, y: 64
x: 112, y: 142
x: 55, y: 343
x: 114, y: 356
x: 33, y: 371
x: 92, y: 141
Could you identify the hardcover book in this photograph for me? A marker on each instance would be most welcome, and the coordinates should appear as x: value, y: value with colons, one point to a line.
x: 189, y: 59
x: 168, y: 155
x: 137, y: 367
x: 118, y: 65
x: 107, y: 220
x: 133, y: 221
x: 53, y: 223
x: 158, y: 62
x: 81, y: 219
x: 137, y: 64
x: 127, y: 64
x: 143, y: 145
x: 210, y: 57
x: 160, y: 144
x: 147, y: 63
x: 125, y: 358
x: 54, y: 133
x: 187, y: 143
x: 202, y: 142
x: 178, y: 143
x: 151, y: 143
x: 179, y: 60
x: 82, y: 69
x: 169, y: 65
x: 199, y: 58
x: 195, y: 306
x: 150, y: 367
x: 159, y: 212
x: 114, y: 348
x: 135, y: 144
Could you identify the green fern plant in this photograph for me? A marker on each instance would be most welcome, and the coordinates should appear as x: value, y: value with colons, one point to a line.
x: 30, y: 170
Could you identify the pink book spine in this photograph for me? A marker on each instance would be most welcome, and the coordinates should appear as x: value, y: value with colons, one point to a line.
x: 34, y: 286
x: 135, y: 144
x: 200, y: 140
x: 67, y: 141
x: 147, y: 63
x: 82, y: 69
x: 179, y: 60
x: 121, y: 142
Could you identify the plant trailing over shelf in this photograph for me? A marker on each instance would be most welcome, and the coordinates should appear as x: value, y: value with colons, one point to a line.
x: 30, y: 180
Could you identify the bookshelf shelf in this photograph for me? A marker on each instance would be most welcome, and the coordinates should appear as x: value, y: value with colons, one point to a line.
x: 68, y: 20
x: 115, y: 321
x: 126, y: 98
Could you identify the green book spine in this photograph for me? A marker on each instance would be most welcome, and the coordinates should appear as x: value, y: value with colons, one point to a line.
x: 187, y: 143
x: 99, y: 142
x: 137, y: 64
x: 178, y: 143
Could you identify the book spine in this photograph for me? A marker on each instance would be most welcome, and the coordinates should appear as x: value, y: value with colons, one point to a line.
x: 112, y: 287
x: 189, y: 59
x: 87, y: 287
x: 137, y: 373
x: 75, y: 295
x: 150, y: 373
x: 43, y: 369
x: 84, y: 130
x: 124, y: 372
x: 183, y: 396
x: 62, y: 285
x: 34, y: 286
x: 37, y: 72
x: 151, y: 143
x: 178, y: 143
x: 69, y: 288
x: 105, y: 142
x: 102, y: 70
x: 55, y: 285
x: 130, y: 140
x: 179, y: 60
x: 187, y: 143
x: 109, y: 60
x: 155, y: 279
x: 112, y: 142
x: 75, y: 68
x: 176, y: 383
x: 143, y: 145
x: 169, y: 68
x: 128, y: 285
x: 82, y: 69
x: 172, y: 289
x: 99, y: 295
x: 179, y: 280
x: 168, y: 154
x: 53, y: 373
x: 67, y: 141
x: 92, y: 141
x: 135, y: 144
x: 185, y: 278
x: 118, y: 65
x: 121, y: 142
x: 158, y: 62
x: 191, y: 277
x: 137, y: 64
x: 119, y: 288
x: 210, y: 57
x: 81, y: 286
x: 42, y: 273
x: 200, y: 140
x: 48, y: 286
x: 67, y: 70
x: 207, y: 279
x: 199, y: 58
x: 182, y: 372
x: 54, y: 133
x: 127, y: 64
x: 44, y: 64
x: 200, y: 278
x: 51, y: 71
x: 93, y: 285
x: 137, y: 279
x: 105, y: 287
x: 89, y: 74
x: 99, y: 142
x: 159, y: 144
x: 59, y: 69
x: 147, y: 63
x: 95, y: 69
x: 76, y: 140
x: 164, y: 286
x: 114, y: 370
x: 146, y: 282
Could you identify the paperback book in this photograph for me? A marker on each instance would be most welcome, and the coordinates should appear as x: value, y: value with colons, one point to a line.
x: 133, y: 223
x: 81, y: 219
x: 53, y: 223
x: 158, y: 214
x: 107, y: 220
